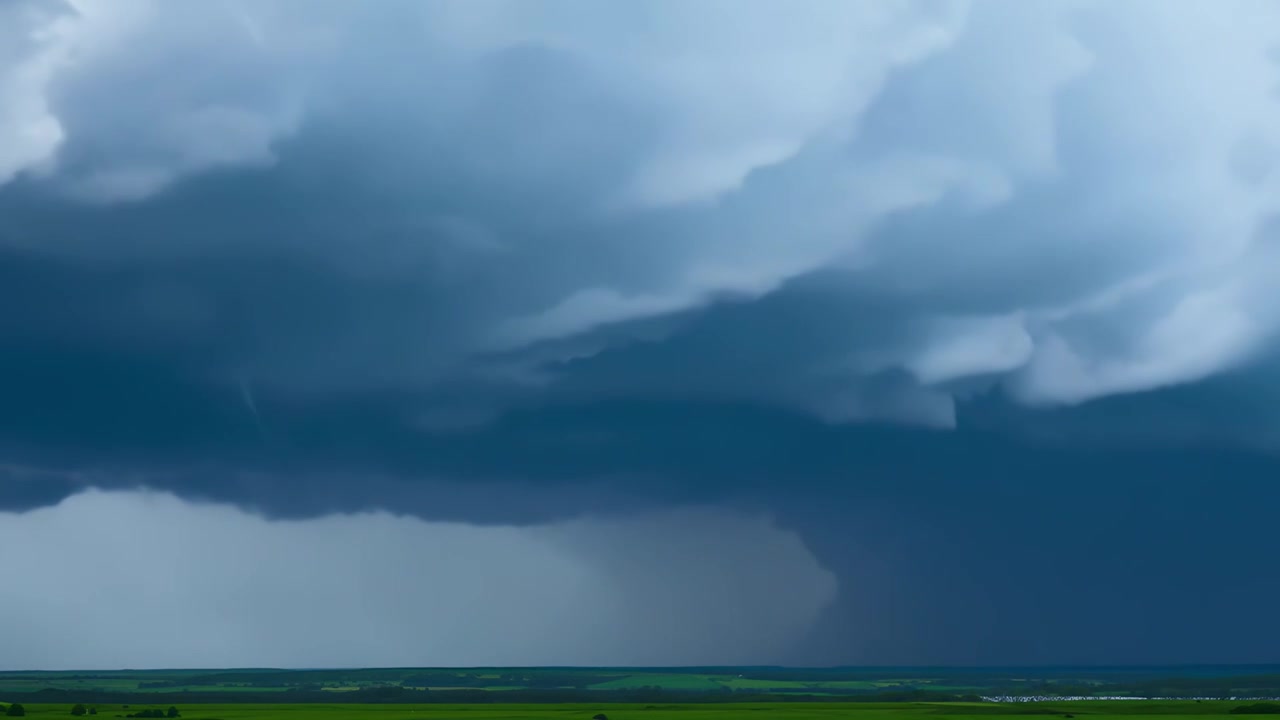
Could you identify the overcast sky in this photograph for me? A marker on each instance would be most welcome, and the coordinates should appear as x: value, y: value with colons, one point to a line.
x: 658, y: 332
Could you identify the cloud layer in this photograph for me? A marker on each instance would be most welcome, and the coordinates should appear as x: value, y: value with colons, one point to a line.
x: 1050, y: 198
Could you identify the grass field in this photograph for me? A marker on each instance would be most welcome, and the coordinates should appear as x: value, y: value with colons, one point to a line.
x: 240, y: 690
x: 267, y: 681
x: 1084, y: 710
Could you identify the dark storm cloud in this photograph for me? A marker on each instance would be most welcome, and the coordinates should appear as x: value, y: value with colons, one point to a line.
x: 23, y: 488
x: 1121, y: 562
x: 977, y: 297
x: 310, y: 215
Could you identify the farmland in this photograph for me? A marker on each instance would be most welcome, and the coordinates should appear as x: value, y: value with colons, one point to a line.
x: 1090, y: 710
x: 489, y: 686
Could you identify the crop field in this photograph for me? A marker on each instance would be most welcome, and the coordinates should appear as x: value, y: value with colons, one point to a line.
x: 243, y: 683
x: 1084, y: 710
x: 648, y: 693
x: 627, y: 685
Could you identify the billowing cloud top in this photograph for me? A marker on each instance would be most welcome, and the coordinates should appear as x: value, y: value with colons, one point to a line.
x: 853, y: 211
x: 1065, y: 199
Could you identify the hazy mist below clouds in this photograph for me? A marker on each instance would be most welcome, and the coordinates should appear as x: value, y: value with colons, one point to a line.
x: 135, y: 579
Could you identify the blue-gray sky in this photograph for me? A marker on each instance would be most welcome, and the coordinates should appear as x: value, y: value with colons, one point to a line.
x: 912, y: 332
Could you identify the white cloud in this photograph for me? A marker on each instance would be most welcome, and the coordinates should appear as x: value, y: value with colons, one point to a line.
x: 30, y: 53
x: 965, y: 347
x: 127, y: 96
x: 732, y: 90
x: 1200, y: 335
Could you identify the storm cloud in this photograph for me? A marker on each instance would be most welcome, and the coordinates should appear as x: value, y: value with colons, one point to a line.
x: 865, y: 268
x: 489, y: 191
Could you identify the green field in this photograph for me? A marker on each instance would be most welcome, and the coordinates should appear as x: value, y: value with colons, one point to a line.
x: 481, y: 688
x: 1092, y: 710
x: 255, y: 682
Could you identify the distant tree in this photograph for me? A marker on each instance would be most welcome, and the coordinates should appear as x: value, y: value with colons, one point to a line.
x: 173, y: 713
x: 93, y: 711
x: 16, y: 710
x: 601, y: 716
x: 79, y: 710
